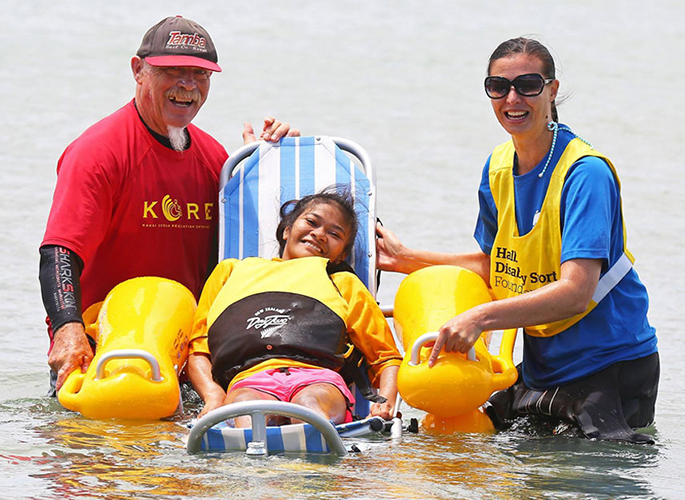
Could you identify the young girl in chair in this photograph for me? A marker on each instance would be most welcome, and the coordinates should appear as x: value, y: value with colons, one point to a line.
x: 278, y: 329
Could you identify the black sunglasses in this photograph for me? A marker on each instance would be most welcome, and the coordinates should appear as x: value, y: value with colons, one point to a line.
x: 528, y: 85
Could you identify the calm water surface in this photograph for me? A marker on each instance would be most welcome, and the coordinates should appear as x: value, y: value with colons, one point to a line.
x: 404, y: 80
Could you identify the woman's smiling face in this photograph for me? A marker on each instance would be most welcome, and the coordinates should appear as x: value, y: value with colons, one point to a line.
x: 518, y: 114
x: 321, y: 230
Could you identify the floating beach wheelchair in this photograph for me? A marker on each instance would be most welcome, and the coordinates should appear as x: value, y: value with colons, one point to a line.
x: 256, y: 180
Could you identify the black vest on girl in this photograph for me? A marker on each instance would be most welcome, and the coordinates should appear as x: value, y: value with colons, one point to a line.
x: 288, y: 323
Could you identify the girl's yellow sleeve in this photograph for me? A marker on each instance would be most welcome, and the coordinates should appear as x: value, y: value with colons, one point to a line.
x: 218, y: 278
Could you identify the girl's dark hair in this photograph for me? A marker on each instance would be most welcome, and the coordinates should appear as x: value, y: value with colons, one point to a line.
x: 529, y: 47
x: 342, y: 198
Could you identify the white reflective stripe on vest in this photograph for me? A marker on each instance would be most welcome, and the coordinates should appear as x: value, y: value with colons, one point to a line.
x: 612, y: 277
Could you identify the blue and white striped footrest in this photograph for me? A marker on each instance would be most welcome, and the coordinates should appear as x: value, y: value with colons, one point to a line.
x: 285, y: 438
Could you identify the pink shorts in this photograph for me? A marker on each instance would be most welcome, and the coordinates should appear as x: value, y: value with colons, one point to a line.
x: 285, y: 383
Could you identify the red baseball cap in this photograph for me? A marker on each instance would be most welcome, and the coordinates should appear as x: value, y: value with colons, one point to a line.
x: 176, y: 41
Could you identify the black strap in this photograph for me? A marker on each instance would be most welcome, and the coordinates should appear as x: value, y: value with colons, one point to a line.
x: 378, y: 271
x: 343, y: 266
x: 355, y: 371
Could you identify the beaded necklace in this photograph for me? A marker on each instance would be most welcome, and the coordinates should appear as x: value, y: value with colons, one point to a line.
x: 555, y: 127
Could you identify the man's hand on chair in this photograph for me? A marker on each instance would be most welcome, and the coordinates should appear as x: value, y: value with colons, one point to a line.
x: 273, y: 131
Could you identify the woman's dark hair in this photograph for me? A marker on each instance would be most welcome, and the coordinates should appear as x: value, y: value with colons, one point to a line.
x: 529, y: 47
x: 343, y: 199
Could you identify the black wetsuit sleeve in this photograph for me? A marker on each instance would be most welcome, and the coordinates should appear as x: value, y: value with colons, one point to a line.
x: 60, y: 284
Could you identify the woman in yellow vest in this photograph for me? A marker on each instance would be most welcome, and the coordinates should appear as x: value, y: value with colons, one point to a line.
x: 553, y: 250
x: 279, y: 329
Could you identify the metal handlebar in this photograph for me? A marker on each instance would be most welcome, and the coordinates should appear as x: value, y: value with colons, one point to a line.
x: 258, y: 411
x: 129, y: 354
x: 430, y: 337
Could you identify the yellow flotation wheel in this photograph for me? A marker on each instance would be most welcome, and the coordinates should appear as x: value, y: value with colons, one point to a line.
x: 142, y: 330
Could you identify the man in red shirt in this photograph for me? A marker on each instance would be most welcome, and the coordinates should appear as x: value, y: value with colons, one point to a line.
x: 136, y: 193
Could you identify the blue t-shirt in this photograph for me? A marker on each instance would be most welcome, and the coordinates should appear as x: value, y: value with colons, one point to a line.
x: 592, y: 228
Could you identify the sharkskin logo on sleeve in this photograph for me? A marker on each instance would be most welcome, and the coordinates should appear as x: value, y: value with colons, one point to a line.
x: 179, y: 40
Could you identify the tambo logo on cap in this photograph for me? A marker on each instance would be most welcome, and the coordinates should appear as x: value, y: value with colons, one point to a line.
x: 176, y: 41
x: 176, y: 38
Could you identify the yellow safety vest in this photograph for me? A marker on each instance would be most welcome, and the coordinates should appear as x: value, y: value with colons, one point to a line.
x: 520, y: 264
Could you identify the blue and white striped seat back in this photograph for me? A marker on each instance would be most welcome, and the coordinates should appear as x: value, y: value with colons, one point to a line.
x: 252, y: 194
